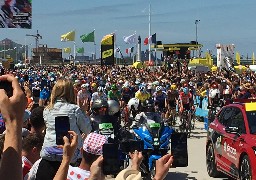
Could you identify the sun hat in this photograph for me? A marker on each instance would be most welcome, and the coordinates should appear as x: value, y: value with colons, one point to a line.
x: 129, y: 174
x: 93, y: 143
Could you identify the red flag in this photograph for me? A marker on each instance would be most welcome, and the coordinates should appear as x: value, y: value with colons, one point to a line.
x: 146, y: 41
x: 127, y: 51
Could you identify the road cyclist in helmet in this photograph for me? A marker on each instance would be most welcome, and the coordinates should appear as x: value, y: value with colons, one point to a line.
x: 84, y: 97
x: 172, y: 102
x: 142, y: 94
x: 114, y: 93
x: 126, y: 94
x: 214, y: 101
x: 159, y: 97
x: 99, y: 94
x: 185, y: 109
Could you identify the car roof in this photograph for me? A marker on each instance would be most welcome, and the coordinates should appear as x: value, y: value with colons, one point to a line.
x: 247, y: 105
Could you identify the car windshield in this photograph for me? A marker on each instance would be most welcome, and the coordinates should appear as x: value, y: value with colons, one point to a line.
x: 251, y: 116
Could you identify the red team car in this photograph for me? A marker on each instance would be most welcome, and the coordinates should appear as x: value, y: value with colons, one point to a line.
x: 231, y: 142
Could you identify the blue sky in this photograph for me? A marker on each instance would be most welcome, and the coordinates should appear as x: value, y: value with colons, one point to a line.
x: 221, y: 21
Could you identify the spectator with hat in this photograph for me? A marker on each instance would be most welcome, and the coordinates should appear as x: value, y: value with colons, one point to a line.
x: 91, y: 151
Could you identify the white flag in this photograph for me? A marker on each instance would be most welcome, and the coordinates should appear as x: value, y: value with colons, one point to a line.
x: 130, y: 39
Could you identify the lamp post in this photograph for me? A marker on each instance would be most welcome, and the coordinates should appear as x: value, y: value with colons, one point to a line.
x: 196, y: 22
x: 16, y: 53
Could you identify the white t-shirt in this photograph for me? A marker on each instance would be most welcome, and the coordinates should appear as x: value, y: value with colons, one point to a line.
x: 75, y: 173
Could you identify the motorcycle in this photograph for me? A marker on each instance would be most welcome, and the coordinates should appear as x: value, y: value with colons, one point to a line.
x: 156, y: 138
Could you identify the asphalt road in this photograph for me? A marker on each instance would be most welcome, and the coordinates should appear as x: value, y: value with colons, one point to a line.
x: 196, y: 169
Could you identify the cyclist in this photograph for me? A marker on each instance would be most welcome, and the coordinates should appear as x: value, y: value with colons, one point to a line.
x: 114, y: 93
x: 126, y: 93
x: 100, y: 94
x: 213, y: 101
x: 185, y: 104
x: 142, y: 94
x: 172, y: 101
x: 160, y: 100
x: 214, y: 95
x: 84, y: 97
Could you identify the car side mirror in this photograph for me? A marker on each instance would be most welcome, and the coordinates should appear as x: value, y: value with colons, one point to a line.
x: 232, y: 130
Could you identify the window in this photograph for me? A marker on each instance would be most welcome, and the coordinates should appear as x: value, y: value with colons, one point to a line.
x: 225, y: 115
x: 237, y: 120
x: 251, y: 116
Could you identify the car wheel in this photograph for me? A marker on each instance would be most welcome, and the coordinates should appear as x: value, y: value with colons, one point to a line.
x: 210, y: 162
x: 245, y: 171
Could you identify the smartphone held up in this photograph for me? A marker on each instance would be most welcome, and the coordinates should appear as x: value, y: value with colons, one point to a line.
x: 179, y: 149
x: 62, y: 127
x: 7, y: 86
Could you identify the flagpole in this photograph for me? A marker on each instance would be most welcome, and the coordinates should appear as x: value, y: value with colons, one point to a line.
x: 94, y: 46
x: 149, y: 33
x: 74, y: 53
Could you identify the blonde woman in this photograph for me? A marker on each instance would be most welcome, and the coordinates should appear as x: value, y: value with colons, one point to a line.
x: 62, y: 103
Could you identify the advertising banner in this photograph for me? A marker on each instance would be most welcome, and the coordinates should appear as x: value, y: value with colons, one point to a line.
x: 16, y: 14
x: 107, y: 50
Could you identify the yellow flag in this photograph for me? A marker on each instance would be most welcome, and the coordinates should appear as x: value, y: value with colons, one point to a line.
x: 70, y: 36
x: 67, y: 50
x: 238, y: 58
x: 107, y: 40
x: 253, y: 58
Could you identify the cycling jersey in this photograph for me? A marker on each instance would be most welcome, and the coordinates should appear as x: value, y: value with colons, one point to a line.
x: 114, y: 96
x: 126, y: 94
x: 142, y: 96
x: 96, y: 96
x: 185, y: 98
x: 160, y: 99
x: 172, y: 96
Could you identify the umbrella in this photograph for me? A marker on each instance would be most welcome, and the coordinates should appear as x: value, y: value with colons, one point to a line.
x: 138, y: 65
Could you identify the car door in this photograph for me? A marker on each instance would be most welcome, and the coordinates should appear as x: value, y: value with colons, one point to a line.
x: 217, y: 136
x: 224, y: 137
x: 234, y: 142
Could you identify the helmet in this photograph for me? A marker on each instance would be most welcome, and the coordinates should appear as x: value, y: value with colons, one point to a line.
x: 99, y: 103
x: 133, y: 102
x: 85, y: 85
x: 185, y: 90
x: 114, y: 87
x: 159, y: 88
x: 93, y: 85
x: 173, y: 87
x: 113, y: 107
x: 100, y: 89
x: 142, y: 88
x: 214, y: 85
